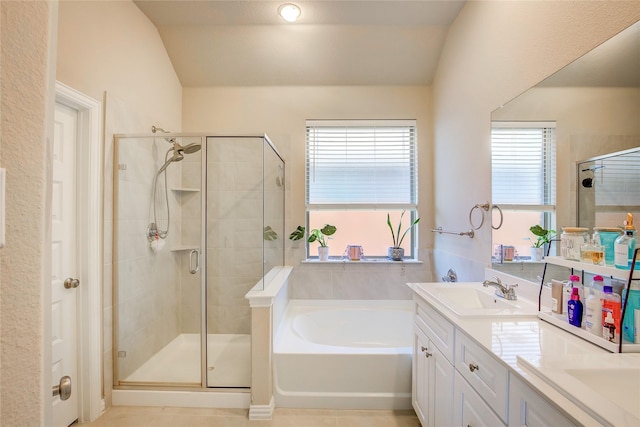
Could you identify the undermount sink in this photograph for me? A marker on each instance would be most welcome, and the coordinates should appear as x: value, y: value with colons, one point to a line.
x: 605, y: 383
x: 473, y: 300
x: 620, y: 384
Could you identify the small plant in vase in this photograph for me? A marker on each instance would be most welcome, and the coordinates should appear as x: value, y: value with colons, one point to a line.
x: 396, y: 252
x: 319, y: 236
x: 544, y: 236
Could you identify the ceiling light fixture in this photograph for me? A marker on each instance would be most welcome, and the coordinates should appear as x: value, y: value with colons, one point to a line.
x: 289, y: 12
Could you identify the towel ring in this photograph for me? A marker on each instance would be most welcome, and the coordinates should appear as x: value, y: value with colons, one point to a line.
x: 483, y: 207
x: 501, y: 216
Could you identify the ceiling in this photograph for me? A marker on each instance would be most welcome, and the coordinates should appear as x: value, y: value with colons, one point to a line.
x: 615, y: 63
x: 334, y: 42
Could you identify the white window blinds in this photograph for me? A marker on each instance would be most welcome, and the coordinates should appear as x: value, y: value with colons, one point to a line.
x: 361, y: 164
x: 523, y: 163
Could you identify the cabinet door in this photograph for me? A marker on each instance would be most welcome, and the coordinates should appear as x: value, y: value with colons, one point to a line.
x: 469, y: 410
x: 528, y: 408
x: 420, y: 392
x: 486, y: 375
x: 442, y: 391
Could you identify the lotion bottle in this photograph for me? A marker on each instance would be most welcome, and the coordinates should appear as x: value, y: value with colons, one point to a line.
x: 593, y: 307
x: 574, y: 308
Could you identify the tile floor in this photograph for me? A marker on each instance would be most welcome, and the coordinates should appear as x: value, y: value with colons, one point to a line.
x: 129, y: 416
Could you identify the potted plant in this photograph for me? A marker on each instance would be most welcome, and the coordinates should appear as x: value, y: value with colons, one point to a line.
x: 543, y: 236
x: 319, y: 236
x: 396, y: 252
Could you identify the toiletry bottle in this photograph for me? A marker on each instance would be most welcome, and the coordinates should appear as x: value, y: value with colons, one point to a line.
x: 556, y: 296
x: 611, y: 305
x: 625, y: 245
x: 609, y: 332
x: 574, y: 309
x: 632, y: 306
x: 592, y: 252
x: 593, y: 307
x: 574, y: 282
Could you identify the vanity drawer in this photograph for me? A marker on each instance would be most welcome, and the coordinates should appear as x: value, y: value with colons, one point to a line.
x: 485, y: 374
x: 438, y: 329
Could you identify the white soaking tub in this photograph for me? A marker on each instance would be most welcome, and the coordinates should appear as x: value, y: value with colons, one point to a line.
x: 344, y: 354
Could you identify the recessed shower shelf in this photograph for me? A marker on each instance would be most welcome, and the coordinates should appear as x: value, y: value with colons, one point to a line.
x: 186, y: 190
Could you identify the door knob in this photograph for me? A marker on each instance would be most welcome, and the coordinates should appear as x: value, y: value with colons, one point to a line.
x: 71, y: 283
x: 63, y: 389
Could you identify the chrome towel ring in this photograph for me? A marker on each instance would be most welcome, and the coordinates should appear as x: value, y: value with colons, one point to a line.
x: 485, y: 207
x: 501, y: 216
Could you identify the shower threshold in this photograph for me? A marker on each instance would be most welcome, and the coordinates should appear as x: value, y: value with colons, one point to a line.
x: 228, y: 365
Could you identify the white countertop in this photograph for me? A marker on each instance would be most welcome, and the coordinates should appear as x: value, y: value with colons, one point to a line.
x: 541, y: 353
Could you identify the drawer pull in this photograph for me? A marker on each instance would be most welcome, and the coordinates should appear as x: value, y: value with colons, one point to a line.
x: 426, y: 353
x: 473, y: 367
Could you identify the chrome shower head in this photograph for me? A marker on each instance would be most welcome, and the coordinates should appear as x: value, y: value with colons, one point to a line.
x: 187, y: 149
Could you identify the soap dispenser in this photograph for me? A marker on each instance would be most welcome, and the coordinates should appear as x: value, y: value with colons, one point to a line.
x: 625, y: 245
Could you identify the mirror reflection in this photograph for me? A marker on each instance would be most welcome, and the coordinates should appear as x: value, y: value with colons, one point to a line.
x: 541, y: 141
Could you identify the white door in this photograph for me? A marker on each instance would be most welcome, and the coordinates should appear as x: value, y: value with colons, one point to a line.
x: 64, y: 265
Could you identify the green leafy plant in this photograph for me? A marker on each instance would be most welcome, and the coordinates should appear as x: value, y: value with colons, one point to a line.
x: 319, y: 234
x: 298, y: 233
x: 544, y: 236
x: 397, y: 238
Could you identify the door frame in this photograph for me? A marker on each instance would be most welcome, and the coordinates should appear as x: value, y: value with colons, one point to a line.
x: 89, y: 195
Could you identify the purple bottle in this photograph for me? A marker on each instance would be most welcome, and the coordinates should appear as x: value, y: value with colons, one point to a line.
x: 574, y: 308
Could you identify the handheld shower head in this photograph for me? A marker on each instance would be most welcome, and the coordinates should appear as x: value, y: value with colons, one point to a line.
x: 177, y: 156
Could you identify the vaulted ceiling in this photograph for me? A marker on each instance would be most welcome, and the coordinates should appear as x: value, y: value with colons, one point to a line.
x: 334, y: 42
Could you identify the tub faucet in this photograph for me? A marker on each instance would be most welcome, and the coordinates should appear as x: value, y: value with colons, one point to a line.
x: 507, y: 292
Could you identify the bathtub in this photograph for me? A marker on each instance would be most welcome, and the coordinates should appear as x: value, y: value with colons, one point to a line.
x: 344, y: 354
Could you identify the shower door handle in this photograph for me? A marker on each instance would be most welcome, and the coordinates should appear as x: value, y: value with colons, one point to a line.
x: 194, y: 267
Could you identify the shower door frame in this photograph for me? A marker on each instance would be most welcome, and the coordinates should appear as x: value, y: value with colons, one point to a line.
x: 203, y: 256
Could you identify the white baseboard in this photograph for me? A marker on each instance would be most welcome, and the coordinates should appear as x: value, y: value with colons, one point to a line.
x: 261, y: 412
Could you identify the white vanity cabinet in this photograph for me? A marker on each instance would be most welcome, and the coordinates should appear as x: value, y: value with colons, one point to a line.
x: 469, y: 409
x: 528, y: 408
x: 486, y: 375
x: 433, y: 372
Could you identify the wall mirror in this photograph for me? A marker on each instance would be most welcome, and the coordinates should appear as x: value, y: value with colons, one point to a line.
x: 583, y: 113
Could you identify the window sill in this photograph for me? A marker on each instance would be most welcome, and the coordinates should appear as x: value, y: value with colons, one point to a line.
x: 315, y: 260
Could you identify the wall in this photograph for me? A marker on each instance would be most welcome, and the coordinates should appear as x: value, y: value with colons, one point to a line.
x: 281, y: 113
x: 100, y: 46
x: 494, y: 51
x: 27, y: 42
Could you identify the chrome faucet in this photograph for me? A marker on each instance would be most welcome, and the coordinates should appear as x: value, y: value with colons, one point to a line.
x: 507, y: 292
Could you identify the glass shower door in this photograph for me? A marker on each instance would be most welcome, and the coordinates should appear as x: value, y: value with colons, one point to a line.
x: 157, y: 256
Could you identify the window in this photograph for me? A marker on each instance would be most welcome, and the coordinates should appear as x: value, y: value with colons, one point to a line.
x: 356, y: 173
x: 523, y: 172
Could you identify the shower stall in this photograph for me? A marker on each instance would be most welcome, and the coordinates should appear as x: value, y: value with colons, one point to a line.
x: 198, y: 221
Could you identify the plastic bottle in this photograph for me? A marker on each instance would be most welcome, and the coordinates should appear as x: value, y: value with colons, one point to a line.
x: 632, y: 305
x: 574, y: 282
x: 609, y: 331
x: 625, y: 245
x: 574, y: 309
x: 611, y: 304
x: 593, y: 307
